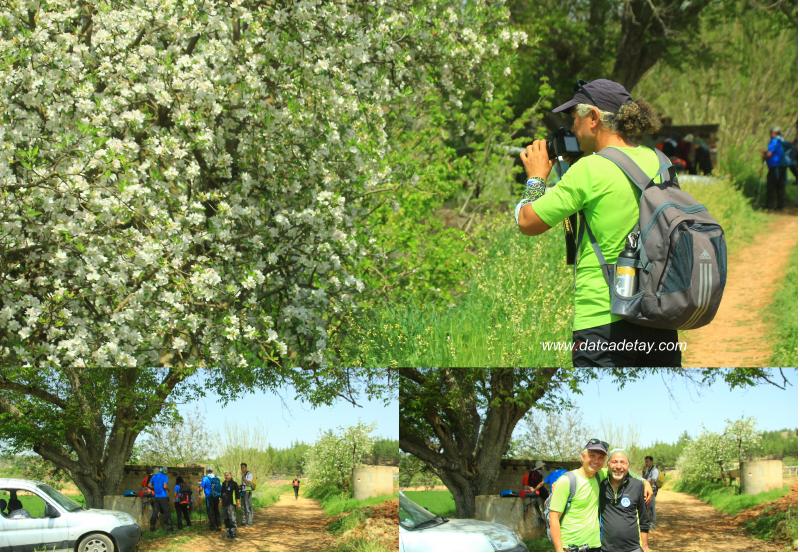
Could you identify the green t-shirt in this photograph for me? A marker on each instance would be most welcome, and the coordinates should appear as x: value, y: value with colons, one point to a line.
x: 581, y: 524
x: 610, y: 203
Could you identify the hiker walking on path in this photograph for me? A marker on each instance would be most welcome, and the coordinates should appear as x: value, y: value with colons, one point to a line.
x: 230, y: 501
x: 212, y: 489
x: 296, y: 487
x: 159, y: 483
x: 183, y: 502
x: 650, y: 473
x: 776, y: 172
x: 623, y: 511
x: 605, y: 118
x: 248, y: 485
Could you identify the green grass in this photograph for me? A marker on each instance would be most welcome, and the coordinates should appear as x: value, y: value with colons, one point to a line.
x: 520, y: 295
x: 775, y: 525
x: 335, y: 502
x: 539, y: 544
x: 268, y: 495
x: 439, y: 502
x: 783, y: 315
x: 350, y: 514
x: 725, y: 498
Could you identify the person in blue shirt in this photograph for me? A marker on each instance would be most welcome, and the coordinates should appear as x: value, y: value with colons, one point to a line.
x: 776, y: 180
x: 159, y: 483
x: 212, y: 501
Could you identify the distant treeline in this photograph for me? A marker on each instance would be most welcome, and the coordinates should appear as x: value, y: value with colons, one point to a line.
x: 775, y: 444
x: 281, y: 461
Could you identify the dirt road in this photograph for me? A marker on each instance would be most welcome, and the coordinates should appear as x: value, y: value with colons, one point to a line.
x: 739, y: 334
x: 687, y: 524
x: 288, y: 525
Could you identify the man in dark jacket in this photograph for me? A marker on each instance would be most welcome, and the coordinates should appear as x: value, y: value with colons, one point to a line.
x: 624, y: 521
x: 230, y: 501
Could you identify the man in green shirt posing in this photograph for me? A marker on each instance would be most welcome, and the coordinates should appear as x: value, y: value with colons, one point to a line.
x: 579, y: 529
x: 603, y: 115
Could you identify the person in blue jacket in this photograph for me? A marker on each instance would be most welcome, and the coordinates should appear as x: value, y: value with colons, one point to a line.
x: 159, y: 483
x: 776, y: 180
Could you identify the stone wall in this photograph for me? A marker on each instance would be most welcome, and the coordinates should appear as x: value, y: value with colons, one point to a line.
x: 761, y: 476
x: 374, y: 480
x: 511, y: 512
x: 132, y: 480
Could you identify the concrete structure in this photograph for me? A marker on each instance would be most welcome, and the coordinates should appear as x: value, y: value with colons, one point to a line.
x: 761, y: 476
x: 511, y: 471
x: 140, y: 509
x: 510, y: 511
x: 375, y: 480
x: 137, y: 507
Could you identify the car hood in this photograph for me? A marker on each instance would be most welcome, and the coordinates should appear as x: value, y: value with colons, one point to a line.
x: 121, y: 518
x: 455, y: 530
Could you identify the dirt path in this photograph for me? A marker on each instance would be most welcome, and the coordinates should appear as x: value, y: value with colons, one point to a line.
x: 288, y: 525
x: 685, y: 523
x: 739, y: 334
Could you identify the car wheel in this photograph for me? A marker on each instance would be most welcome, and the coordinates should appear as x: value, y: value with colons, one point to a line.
x: 96, y: 542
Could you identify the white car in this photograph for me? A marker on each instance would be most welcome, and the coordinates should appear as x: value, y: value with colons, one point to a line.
x: 421, y: 530
x: 34, y: 516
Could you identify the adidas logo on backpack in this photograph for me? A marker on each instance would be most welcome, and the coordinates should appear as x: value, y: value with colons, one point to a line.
x: 681, y: 256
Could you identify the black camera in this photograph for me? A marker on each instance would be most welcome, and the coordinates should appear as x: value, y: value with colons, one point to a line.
x: 565, y: 144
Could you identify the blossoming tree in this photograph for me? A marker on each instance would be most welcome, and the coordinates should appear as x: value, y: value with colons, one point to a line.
x: 181, y: 181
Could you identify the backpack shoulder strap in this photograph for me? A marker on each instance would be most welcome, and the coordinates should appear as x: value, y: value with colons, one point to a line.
x: 627, y: 165
x: 573, y: 484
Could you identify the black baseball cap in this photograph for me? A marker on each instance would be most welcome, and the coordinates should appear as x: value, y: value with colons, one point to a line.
x: 597, y: 445
x: 602, y: 93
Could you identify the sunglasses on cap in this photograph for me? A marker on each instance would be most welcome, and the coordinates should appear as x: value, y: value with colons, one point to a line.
x: 595, y: 441
x: 580, y: 86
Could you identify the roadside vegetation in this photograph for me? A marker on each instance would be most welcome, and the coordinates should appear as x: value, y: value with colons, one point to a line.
x: 727, y: 499
x: 783, y: 312
x: 357, y: 524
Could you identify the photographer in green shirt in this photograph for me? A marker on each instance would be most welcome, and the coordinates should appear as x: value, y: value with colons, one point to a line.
x: 603, y: 115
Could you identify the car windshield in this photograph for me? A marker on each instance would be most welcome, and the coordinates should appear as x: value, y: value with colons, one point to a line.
x: 413, y: 517
x: 60, y: 498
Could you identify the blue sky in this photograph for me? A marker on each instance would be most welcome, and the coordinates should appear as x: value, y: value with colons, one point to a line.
x: 284, y: 420
x: 648, y: 408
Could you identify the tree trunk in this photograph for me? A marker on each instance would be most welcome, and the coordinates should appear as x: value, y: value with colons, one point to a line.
x: 467, y: 444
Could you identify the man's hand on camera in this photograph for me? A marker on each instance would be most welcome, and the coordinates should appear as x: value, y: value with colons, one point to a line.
x: 535, y: 160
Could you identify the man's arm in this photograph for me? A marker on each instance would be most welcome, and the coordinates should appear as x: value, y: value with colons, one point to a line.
x: 644, y: 521
x: 530, y: 223
x: 648, y: 491
x: 555, y: 530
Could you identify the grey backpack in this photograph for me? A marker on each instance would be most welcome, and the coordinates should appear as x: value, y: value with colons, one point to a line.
x: 681, y: 256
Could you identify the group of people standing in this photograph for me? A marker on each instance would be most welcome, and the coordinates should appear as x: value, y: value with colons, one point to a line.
x: 228, y: 492
x: 597, y: 507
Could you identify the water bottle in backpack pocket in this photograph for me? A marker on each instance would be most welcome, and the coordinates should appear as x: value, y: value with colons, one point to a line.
x: 678, y: 265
